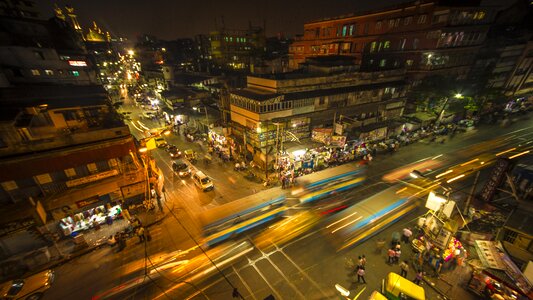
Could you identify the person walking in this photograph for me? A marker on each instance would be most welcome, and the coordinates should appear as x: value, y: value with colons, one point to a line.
x: 361, y: 275
x: 404, y: 268
x: 140, y: 234
x: 397, y: 255
x: 362, y: 261
x: 407, y: 233
x: 392, y: 254
x: 419, y: 277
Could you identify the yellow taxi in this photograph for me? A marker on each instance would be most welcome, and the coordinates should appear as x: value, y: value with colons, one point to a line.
x: 29, y: 288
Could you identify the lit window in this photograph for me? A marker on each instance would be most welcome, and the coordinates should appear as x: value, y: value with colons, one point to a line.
x: 9, y: 185
x: 382, y: 62
x: 49, y: 72
x: 344, y: 30
x: 409, y: 62
x: 35, y: 72
x: 70, y: 172
x: 43, y: 178
x: 372, y: 46
x: 386, y: 45
x: 407, y: 21
x: 75, y: 73
x: 421, y: 19
x: 92, y: 168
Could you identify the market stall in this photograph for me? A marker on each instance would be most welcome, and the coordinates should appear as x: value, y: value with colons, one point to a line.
x: 88, y: 219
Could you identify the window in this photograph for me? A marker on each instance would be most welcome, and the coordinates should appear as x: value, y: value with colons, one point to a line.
x: 9, y: 185
x: 391, y: 23
x: 352, y: 29
x: 49, y: 72
x: 372, y: 46
x: 386, y: 45
x: 407, y: 20
x: 38, y: 54
x: 35, y: 72
x: 321, y: 101
x: 510, y: 236
x: 402, y: 43
x: 344, y: 30
x: 75, y: 73
x: 92, y: 168
x: 480, y: 15
x: 43, y: 178
x: 422, y: 19
x: 17, y: 72
x: 415, y: 44
x: 382, y: 63
x: 70, y: 172
x: 409, y: 62
x: 378, y: 25
x: 397, y: 22
x: 367, y: 25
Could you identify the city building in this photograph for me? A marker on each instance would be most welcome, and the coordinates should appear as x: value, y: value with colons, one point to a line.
x: 425, y: 37
x: 68, y: 160
x: 289, y: 106
x: 237, y: 49
x: 65, y: 151
x: 504, y: 61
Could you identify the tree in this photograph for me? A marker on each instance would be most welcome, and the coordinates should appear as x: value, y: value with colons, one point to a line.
x: 433, y: 91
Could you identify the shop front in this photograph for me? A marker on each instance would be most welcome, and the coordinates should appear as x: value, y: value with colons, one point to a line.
x: 495, y: 275
x: 89, y: 219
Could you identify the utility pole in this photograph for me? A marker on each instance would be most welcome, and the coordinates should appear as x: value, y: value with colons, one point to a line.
x: 471, y: 195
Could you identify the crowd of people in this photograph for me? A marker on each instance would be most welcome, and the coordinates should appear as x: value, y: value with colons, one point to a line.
x: 135, y: 228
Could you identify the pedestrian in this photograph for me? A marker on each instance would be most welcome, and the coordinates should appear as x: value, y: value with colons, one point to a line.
x: 404, y: 268
x: 419, y: 277
x: 140, y: 234
x: 121, y: 241
x: 397, y: 254
x: 361, y: 274
x: 407, y: 233
x: 362, y: 261
x: 392, y: 255
x: 111, y: 241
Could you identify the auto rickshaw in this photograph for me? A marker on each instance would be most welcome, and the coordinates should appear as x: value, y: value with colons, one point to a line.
x: 190, y: 155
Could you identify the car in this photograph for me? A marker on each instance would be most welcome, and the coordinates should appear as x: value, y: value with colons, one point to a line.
x: 160, y: 142
x: 29, y: 288
x: 202, y: 181
x: 174, y: 152
x: 181, y: 168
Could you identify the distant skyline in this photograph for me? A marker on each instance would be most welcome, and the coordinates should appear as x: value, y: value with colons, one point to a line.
x: 169, y: 20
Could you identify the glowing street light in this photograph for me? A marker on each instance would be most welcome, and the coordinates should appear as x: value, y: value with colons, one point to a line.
x: 131, y: 52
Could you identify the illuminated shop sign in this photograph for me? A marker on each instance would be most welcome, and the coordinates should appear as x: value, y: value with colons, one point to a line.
x: 77, y: 63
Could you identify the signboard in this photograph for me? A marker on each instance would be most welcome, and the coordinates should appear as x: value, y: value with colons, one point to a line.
x: 495, y: 179
x: 322, y: 135
x: 85, y: 202
x: 338, y: 140
x: 77, y: 63
x: 91, y: 178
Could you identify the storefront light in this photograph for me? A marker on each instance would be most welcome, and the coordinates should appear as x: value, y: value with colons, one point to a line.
x: 298, y: 152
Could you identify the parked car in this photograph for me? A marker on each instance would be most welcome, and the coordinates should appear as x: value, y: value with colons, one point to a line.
x: 174, y: 152
x: 29, y: 288
x: 160, y: 142
x: 202, y: 181
x: 181, y: 168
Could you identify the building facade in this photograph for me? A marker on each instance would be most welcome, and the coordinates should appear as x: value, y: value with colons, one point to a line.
x: 296, y: 103
x: 422, y: 36
x: 237, y: 49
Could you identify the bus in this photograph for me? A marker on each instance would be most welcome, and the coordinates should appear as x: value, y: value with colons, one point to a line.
x: 359, y: 222
x: 323, y: 183
x: 225, y: 221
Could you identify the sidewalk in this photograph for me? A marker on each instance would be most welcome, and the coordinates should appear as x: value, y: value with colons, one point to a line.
x: 66, y: 250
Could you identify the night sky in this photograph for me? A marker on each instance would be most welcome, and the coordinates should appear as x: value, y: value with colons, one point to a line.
x: 169, y: 19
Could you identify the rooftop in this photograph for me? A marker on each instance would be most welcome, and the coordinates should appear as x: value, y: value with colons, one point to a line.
x: 54, y: 96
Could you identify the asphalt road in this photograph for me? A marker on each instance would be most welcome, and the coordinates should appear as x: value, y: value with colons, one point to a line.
x: 306, y: 268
